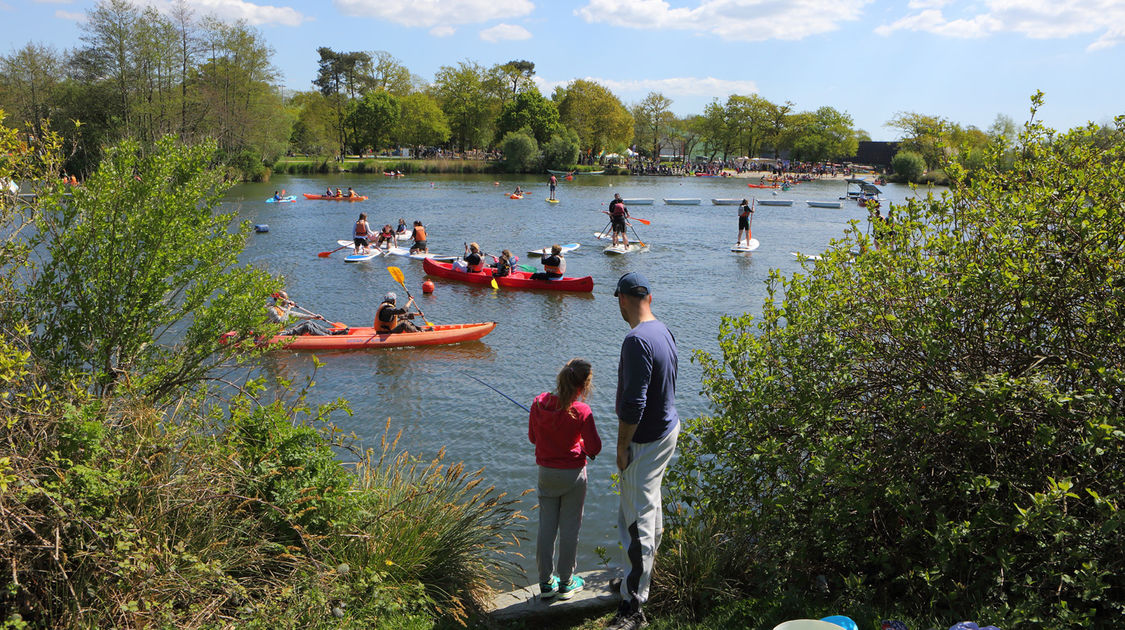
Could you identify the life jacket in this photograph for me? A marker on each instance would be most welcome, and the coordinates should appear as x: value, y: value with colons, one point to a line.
x: 419, y: 233
x: 381, y: 325
x: 744, y: 211
x: 387, y: 235
x: 552, y: 265
x: 361, y: 230
x: 617, y: 209
x: 475, y: 262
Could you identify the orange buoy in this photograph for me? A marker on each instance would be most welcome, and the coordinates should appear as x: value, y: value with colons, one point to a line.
x: 427, y: 287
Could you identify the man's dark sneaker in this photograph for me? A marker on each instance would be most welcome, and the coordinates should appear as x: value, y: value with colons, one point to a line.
x: 630, y: 621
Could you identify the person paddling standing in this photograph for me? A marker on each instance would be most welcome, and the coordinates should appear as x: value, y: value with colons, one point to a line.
x: 553, y: 183
x: 361, y: 232
x: 617, y: 215
x: 561, y: 426
x: 744, y: 212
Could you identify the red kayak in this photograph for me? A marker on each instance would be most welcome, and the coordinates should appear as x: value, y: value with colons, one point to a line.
x: 335, y: 198
x: 366, y: 337
x: 517, y: 279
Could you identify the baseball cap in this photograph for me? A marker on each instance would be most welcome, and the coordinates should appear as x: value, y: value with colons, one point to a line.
x: 632, y: 283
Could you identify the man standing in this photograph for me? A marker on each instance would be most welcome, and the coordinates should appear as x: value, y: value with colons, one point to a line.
x: 553, y: 183
x: 646, y: 439
x: 617, y: 215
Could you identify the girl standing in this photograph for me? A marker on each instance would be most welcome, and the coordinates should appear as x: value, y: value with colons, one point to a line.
x: 561, y: 426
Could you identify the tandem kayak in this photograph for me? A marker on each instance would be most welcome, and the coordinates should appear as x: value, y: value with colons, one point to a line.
x: 366, y: 337
x: 517, y: 279
x: 335, y: 198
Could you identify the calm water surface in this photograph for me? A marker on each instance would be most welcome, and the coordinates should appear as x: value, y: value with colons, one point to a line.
x: 425, y: 392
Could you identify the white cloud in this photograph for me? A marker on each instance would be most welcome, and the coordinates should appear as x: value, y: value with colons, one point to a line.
x: 670, y: 87
x: 442, y: 31
x: 927, y: 4
x: 71, y: 16
x: 429, y: 13
x: 502, y: 32
x: 739, y: 20
x: 254, y: 14
x: 1036, y: 19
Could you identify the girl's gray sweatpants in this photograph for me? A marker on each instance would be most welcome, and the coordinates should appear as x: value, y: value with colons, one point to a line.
x: 562, y: 494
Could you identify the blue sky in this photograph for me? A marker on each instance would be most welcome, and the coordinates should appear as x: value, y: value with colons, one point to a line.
x: 964, y: 60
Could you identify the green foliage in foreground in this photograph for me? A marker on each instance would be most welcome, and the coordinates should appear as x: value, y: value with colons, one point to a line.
x: 932, y: 428
x: 119, y: 516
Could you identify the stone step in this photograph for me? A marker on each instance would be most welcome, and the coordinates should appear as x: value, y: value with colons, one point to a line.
x: 595, y: 598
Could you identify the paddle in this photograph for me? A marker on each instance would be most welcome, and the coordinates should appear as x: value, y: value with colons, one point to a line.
x: 396, y: 273
x: 637, y: 235
x: 327, y: 254
x: 320, y: 317
x: 527, y: 268
x: 644, y: 221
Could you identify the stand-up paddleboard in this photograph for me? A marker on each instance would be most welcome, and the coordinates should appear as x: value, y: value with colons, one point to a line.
x: 405, y: 251
x: 552, y: 200
x: 289, y: 199
x: 617, y: 250
x: 800, y: 256
x: 569, y: 247
x: 372, y: 253
x: 744, y: 246
x: 605, y: 236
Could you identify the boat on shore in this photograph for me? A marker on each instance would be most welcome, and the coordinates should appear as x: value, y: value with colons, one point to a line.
x: 515, y: 280
x: 366, y: 337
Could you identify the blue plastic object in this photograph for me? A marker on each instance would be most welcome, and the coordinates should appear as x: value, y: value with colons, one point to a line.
x: 840, y: 620
x: 261, y: 227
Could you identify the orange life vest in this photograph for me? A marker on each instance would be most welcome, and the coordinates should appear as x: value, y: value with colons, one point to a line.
x: 554, y: 270
x: 381, y: 325
x: 361, y: 230
x: 419, y: 233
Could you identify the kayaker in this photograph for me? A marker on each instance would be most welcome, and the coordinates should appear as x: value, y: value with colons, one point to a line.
x: 473, y: 258
x: 276, y: 196
x: 361, y: 232
x: 503, y: 266
x: 351, y: 193
x: 328, y: 192
x: 339, y: 193
x: 617, y: 215
x: 519, y: 191
x: 280, y: 311
x: 419, y: 236
x: 554, y: 265
x: 561, y: 426
x: 391, y: 319
x: 387, y: 235
x: 744, y: 212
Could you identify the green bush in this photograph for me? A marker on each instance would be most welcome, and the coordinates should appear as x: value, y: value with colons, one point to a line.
x: 908, y: 165
x: 934, y: 426
x: 521, y: 152
x: 561, y: 151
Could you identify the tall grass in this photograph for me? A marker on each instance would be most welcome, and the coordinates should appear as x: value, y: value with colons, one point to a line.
x: 114, y: 514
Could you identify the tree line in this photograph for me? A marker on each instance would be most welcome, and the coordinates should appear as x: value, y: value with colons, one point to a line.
x: 141, y: 74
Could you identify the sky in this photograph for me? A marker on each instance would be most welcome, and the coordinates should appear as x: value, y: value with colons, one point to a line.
x: 964, y: 60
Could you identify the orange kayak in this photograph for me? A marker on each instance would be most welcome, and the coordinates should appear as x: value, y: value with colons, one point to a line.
x: 366, y: 337
x: 334, y: 198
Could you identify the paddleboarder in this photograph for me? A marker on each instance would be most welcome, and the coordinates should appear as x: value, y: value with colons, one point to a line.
x: 744, y: 212
x: 361, y: 232
x: 553, y: 182
x: 617, y: 215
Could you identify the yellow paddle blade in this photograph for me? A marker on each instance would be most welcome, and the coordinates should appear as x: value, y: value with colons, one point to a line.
x: 494, y: 285
x: 396, y: 273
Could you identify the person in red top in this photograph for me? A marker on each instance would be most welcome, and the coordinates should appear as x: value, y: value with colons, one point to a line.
x: 562, y: 429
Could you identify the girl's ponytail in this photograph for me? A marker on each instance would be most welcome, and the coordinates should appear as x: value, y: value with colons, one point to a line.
x: 574, y: 381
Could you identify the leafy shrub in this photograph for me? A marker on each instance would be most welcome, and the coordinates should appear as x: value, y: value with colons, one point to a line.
x: 521, y: 151
x: 908, y: 165
x: 561, y: 151
x: 935, y: 426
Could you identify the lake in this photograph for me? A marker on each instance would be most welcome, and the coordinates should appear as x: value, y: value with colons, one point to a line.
x: 426, y: 392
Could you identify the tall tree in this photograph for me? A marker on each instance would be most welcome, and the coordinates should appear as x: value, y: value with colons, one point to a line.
x: 338, y: 78
x: 529, y: 109
x: 599, y: 117
x: 388, y: 73
x: 517, y: 77
x: 652, y: 119
x: 108, y: 33
x: 422, y: 122
x: 29, y: 78
x: 467, y: 95
x: 922, y: 133
x: 375, y: 118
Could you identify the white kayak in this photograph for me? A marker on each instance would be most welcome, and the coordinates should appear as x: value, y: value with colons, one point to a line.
x: 405, y: 251
x: 569, y: 247
x: 746, y: 247
x: 617, y: 250
x: 800, y: 256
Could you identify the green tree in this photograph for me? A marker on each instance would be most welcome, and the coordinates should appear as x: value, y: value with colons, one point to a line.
x: 529, y: 109
x: 375, y: 118
x: 596, y: 114
x: 339, y: 79
x: 685, y: 134
x: 923, y: 134
x: 521, y: 152
x: 715, y: 130
x: 422, y: 122
x: 908, y: 165
x: 561, y: 151
x: 314, y: 128
x: 822, y: 135
x: 467, y: 95
x: 29, y: 78
x: 140, y: 276
x: 388, y: 73
x: 517, y: 75
x: 652, y: 120
x: 894, y: 413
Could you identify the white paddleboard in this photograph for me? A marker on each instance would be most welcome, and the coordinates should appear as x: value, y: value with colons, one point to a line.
x: 569, y: 247
x: 405, y: 251
x: 800, y: 256
x: 746, y: 247
x: 351, y: 258
x: 619, y: 249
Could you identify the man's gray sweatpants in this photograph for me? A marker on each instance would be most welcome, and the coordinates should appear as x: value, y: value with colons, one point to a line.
x: 562, y: 495
x: 640, y: 520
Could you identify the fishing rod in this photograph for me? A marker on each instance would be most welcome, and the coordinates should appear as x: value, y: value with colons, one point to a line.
x: 517, y: 403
